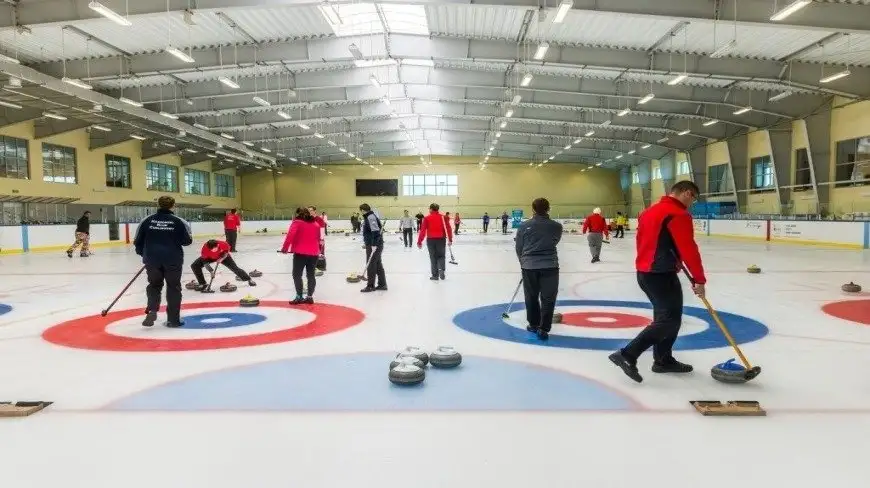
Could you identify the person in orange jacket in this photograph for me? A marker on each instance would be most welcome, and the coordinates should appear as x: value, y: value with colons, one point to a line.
x: 596, y: 226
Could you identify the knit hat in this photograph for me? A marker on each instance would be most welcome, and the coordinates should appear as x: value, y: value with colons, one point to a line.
x: 597, y: 211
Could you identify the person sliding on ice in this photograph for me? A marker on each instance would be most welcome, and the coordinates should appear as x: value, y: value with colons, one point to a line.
x: 665, y: 237
x: 83, y: 236
x: 596, y: 226
x: 485, y: 222
x: 232, y: 222
x: 373, y: 237
x: 436, y: 230
x: 303, y: 240
x: 504, y: 223
x: 215, y: 251
x: 406, y: 225
x: 621, y: 221
x: 160, y: 240
x: 536, y: 243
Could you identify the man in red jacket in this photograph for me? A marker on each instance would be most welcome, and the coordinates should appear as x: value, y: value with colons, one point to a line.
x: 436, y: 230
x: 665, y: 237
x: 596, y: 226
x: 232, y: 222
x: 215, y: 251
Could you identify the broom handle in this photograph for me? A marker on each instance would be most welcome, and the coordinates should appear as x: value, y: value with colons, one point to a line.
x: 718, y: 321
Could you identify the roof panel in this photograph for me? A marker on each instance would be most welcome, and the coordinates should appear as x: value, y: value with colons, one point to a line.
x: 272, y: 24
x: 853, y: 49
x: 755, y: 42
x: 480, y: 21
x: 602, y: 29
x: 135, y: 82
x: 51, y: 43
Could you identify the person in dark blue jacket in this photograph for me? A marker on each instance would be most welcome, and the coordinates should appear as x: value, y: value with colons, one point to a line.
x: 373, y: 237
x: 160, y: 239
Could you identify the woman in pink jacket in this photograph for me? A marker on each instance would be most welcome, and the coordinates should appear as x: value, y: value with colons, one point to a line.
x: 303, y: 240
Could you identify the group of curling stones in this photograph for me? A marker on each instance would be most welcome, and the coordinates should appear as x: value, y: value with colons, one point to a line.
x: 409, y: 366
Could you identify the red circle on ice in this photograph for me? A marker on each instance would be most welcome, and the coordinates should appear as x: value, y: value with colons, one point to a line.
x: 857, y: 311
x: 604, y: 320
x: 90, y: 332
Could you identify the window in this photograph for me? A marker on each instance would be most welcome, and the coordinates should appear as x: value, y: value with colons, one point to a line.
x: 802, y: 173
x: 117, y: 172
x: 657, y: 173
x: 196, y: 182
x: 430, y: 185
x: 11, y: 213
x: 225, y: 185
x: 161, y: 177
x: 635, y: 177
x: 762, y: 177
x: 14, y: 158
x: 853, y: 162
x: 683, y: 168
x: 58, y: 164
x: 719, y: 179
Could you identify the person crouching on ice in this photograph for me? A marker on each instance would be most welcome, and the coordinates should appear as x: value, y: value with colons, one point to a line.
x: 303, y: 240
x: 215, y: 251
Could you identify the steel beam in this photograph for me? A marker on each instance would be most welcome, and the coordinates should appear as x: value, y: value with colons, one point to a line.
x: 780, y: 156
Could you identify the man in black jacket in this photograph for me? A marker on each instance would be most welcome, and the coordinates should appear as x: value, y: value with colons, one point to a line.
x: 83, y: 236
x: 373, y: 237
x: 160, y: 239
x: 536, y: 243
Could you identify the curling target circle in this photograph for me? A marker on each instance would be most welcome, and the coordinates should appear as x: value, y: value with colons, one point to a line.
x: 95, y: 332
x: 486, y: 321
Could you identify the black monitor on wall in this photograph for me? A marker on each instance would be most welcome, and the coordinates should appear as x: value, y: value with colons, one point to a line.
x: 377, y: 188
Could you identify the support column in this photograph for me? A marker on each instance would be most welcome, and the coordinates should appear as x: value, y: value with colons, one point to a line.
x: 645, y: 175
x: 698, y: 162
x: 819, y: 142
x: 668, y: 167
x: 779, y: 145
x: 738, y: 156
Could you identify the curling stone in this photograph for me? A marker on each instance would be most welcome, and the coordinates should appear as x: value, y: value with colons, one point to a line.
x: 405, y: 359
x: 445, y: 357
x: 731, y: 372
x: 753, y: 269
x: 190, y: 285
x: 249, y: 301
x: 557, y: 318
x: 256, y: 274
x: 229, y: 287
x: 417, y: 353
x: 318, y: 272
x: 851, y: 288
x: 353, y: 278
x: 407, y: 375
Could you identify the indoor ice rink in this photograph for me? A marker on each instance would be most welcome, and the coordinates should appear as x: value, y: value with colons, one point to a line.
x: 265, y: 106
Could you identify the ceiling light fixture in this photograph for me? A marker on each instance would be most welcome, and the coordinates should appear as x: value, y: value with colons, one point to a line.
x: 76, y: 82
x: 835, y: 76
x: 138, y: 137
x: 168, y: 115
x: 577, y: 141
x: 9, y: 104
x: 684, y: 133
x: 304, y: 126
x: 779, y: 96
x: 516, y: 99
x: 497, y: 135
x: 374, y: 81
x: 663, y: 139
x: 318, y: 135
x: 724, y: 49
x: 201, y: 126
x: 646, y: 146
x: 419, y: 62
x: 503, y: 124
x: 562, y: 11
x: 619, y: 156
x: 710, y: 122
x: 228, y: 82
x: 742, y: 111
x: 678, y: 79
x: 646, y: 98
x: 262, y: 101
x: 567, y: 147
x: 178, y: 53
x: 265, y: 149
x: 190, y: 150
x: 590, y: 133
x: 789, y: 9
x: 101, y: 127
x: 227, y: 136
x: 542, y: 50
x: 632, y: 151
x: 109, y: 14
x: 509, y: 113
x: 284, y: 115
x: 52, y: 115
x: 527, y: 78
x: 623, y: 112
x: 605, y: 123
x: 130, y: 102
x: 248, y: 143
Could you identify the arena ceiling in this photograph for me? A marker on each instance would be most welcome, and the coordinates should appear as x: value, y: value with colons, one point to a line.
x: 268, y: 83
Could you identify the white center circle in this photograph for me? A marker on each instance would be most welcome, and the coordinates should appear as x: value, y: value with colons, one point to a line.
x: 216, y: 320
x: 604, y: 320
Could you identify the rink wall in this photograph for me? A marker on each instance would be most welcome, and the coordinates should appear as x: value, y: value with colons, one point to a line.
x: 853, y: 235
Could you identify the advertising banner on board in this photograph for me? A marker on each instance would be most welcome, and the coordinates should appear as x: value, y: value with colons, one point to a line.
x: 516, y: 218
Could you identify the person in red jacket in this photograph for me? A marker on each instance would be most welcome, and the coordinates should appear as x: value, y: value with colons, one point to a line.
x: 665, y: 238
x: 215, y: 251
x: 597, y: 227
x: 303, y: 240
x: 321, y: 221
x: 456, y: 222
x: 436, y: 230
x: 232, y: 222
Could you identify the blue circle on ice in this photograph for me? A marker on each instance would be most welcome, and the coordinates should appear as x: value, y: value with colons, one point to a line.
x: 221, y: 320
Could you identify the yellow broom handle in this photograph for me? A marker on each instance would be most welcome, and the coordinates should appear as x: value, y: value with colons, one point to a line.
x: 726, y: 332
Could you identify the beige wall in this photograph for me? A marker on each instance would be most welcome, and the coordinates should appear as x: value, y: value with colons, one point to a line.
x: 803, y: 202
x: 758, y: 145
x: 503, y: 186
x: 91, y: 187
x: 848, y: 122
x: 657, y: 189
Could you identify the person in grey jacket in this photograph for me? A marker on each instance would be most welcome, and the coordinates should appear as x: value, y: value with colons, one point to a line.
x: 406, y: 225
x: 536, y: 243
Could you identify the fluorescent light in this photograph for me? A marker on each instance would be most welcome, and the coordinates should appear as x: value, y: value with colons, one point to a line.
x: 9, y: 104
x: 562, y: 11
x: 683, y: 133
x: 386, y: 101
x: 646, y: 146
x: 503, y: 124
x: 331, y: 143
x: 623, y: 112
x: 248, y: 143
x: 590, y: 133
x: 599, y: 164
x: 76, y: 82
x: 303, y: 162
x: 516, y: 99
x: 331, y: 15
x: 567, y: 147
x: 509, y: 113
x: 542, y: 50
x: 293, y: 159
x: 526, y: 79
x: 304, y: 126
x: 373, y: 63
x: 101, y: 127
x: 109, y: 14
x: 261, y: 101
x: 492, y: 148
x: 279, y: 155
x: 789, y: 9
x: 284, y: 115
x: 227, y: 136
x: 374, y: 81
x: 835, y: 76
x: 190, y: 150
x: 53, y: 116
x: 394, y: 115
x: 646, y: 98
x: 724, y: 49
x: 606, y: 123
x: 678, y: 79
x: 201, y: 126
x: 419, y: 62
x: 779, y: 96
x: 632, y: 151
x: 318, y: 135
x: 577, y: 141
x: 178, y: 53
x: 265, y: 149
x: 663, y: 139
x: 710, y: 122
x: 138, y: 137
x: 351, y: 154
x: 619, y: 156
x: 168, y: 115
x: 497, y: 135
x: 130, y: 102
x: 9, y: 59
x: 342, y: 149
x: 228, y: 82
x: 742, y: 111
